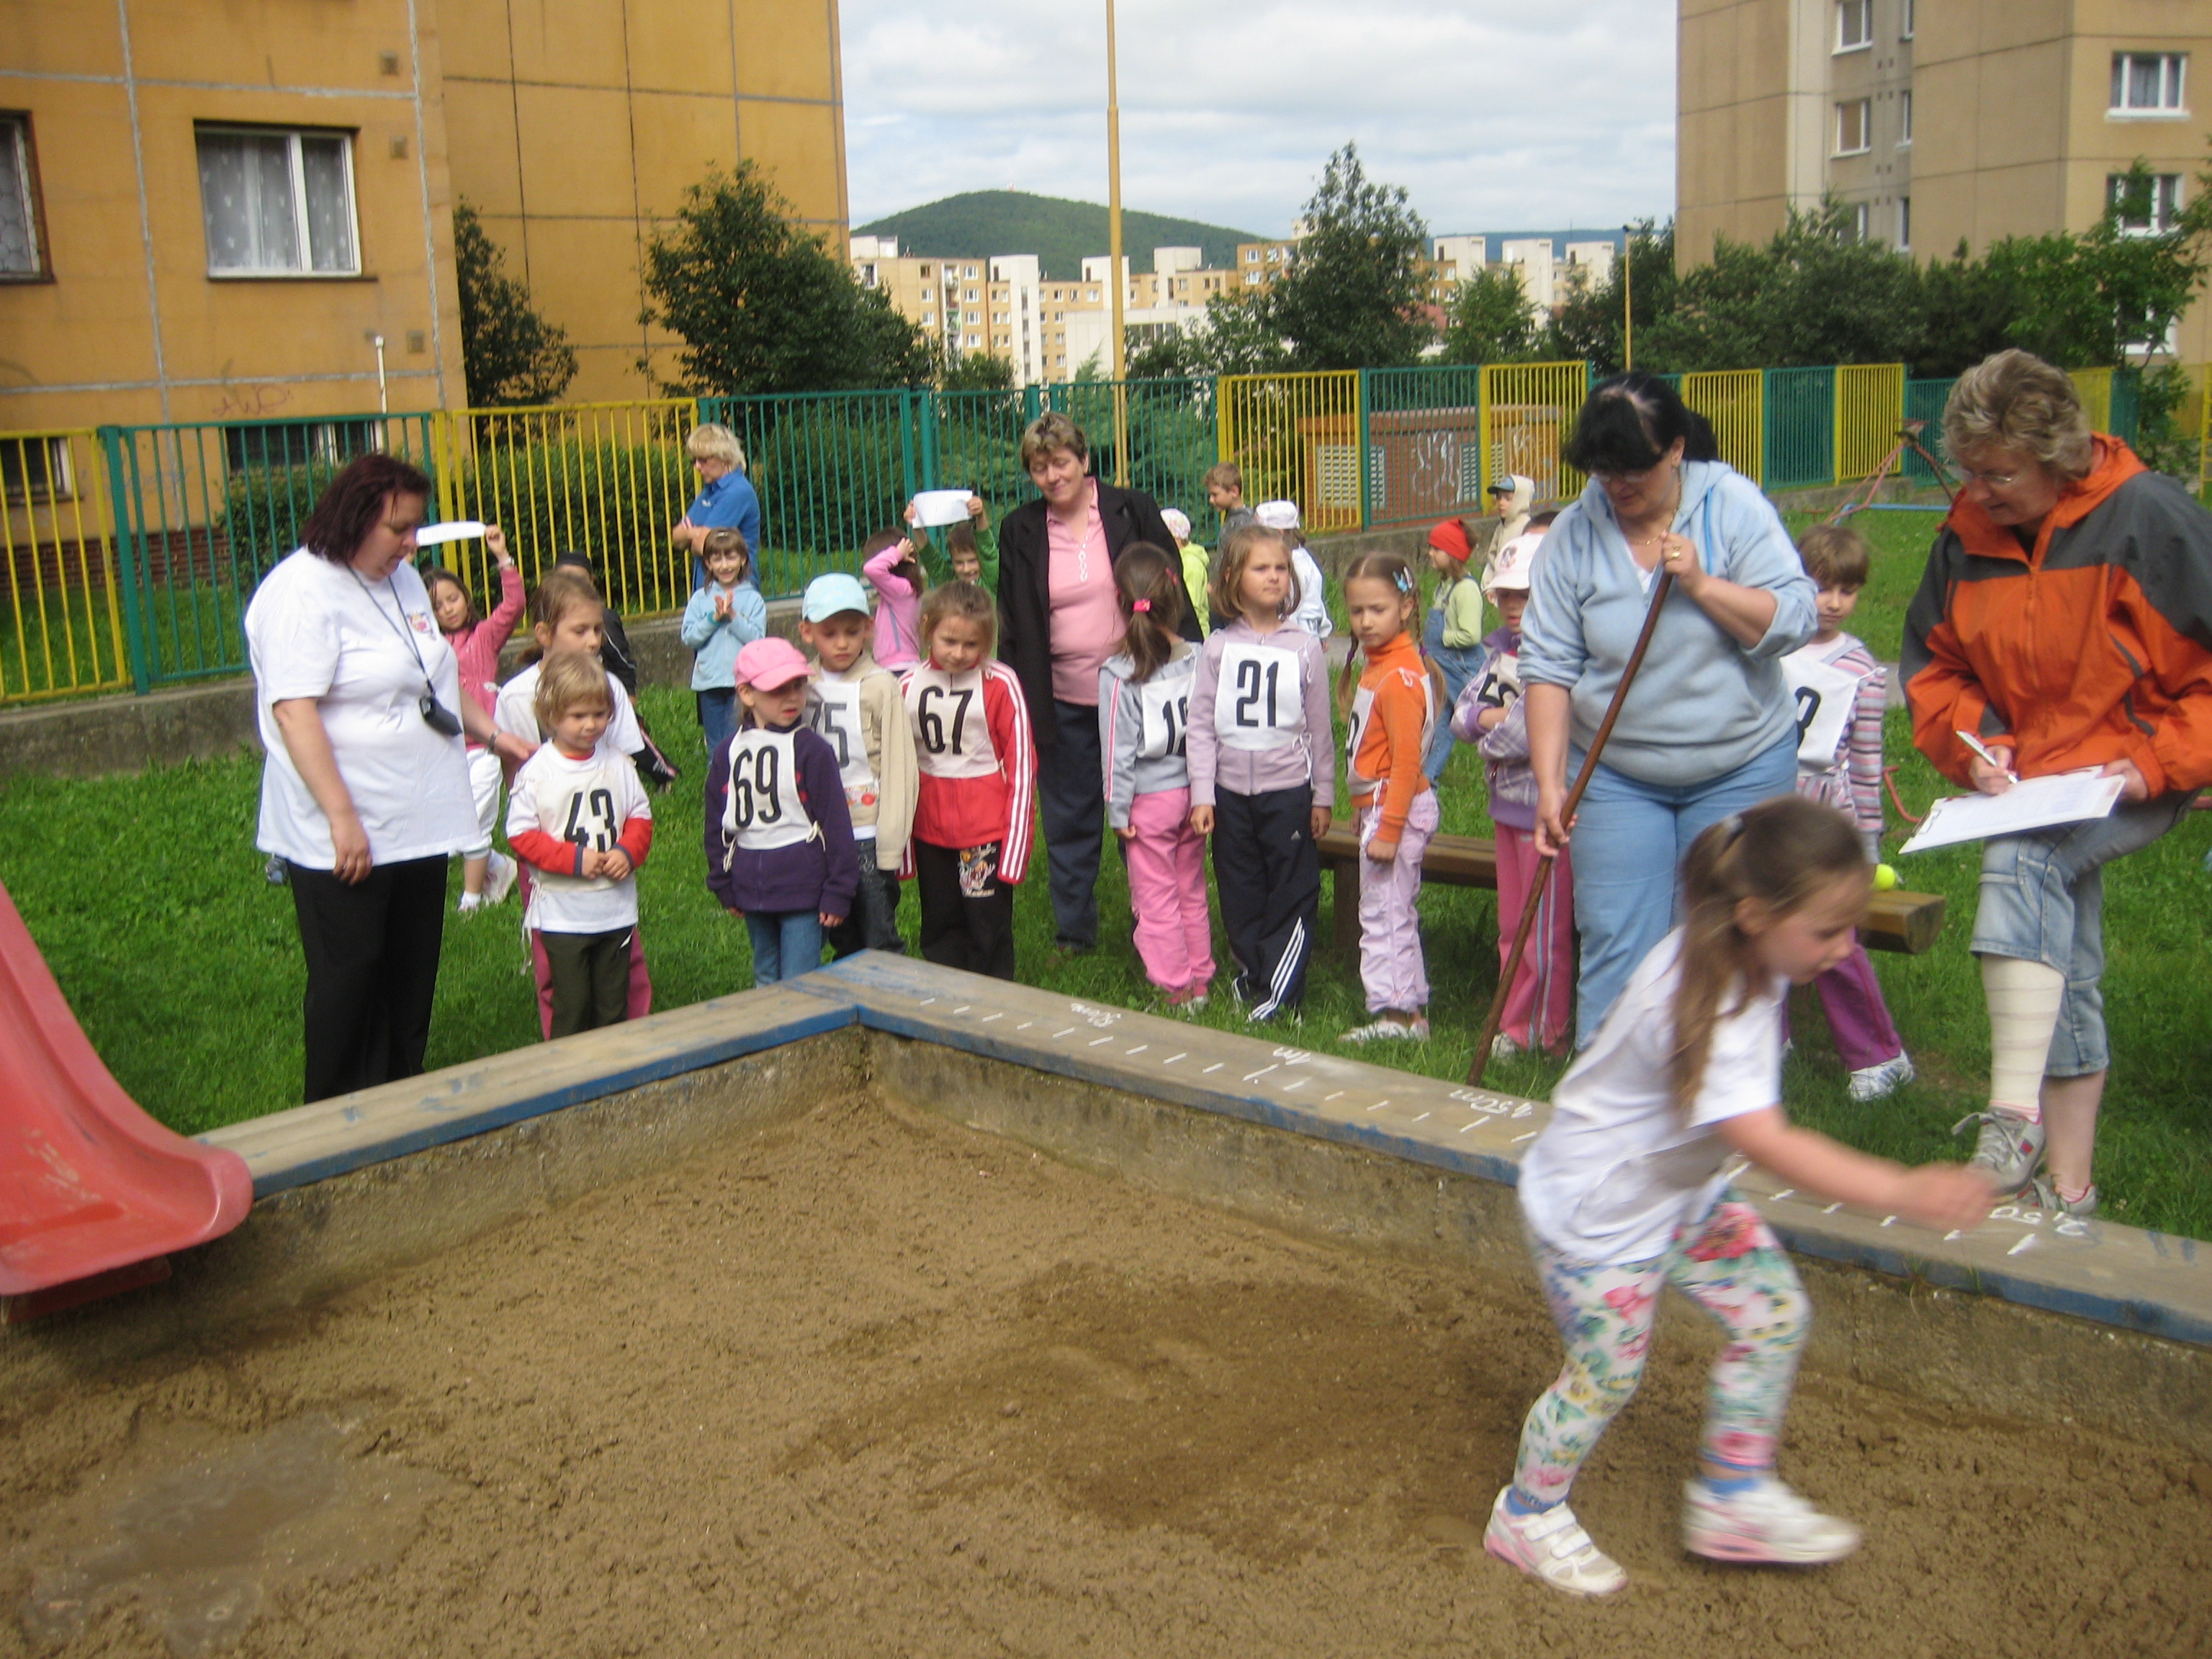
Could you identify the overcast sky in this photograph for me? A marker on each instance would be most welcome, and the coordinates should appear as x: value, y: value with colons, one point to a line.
x: 1496, y: 115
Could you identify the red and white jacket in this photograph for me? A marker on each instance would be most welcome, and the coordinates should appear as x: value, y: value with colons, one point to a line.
x: 978, y: 761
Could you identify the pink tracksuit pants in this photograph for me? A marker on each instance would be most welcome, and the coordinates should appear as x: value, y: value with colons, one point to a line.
x: 1167, y: 889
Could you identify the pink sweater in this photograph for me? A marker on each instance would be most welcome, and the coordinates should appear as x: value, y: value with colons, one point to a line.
x: 478, y: 645
x: 898, y: 618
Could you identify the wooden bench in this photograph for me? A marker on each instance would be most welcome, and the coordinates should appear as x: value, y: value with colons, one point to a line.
x: 1895, y: 920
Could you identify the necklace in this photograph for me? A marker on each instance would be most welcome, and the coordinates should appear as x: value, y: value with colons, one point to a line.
x: 1666, y: 523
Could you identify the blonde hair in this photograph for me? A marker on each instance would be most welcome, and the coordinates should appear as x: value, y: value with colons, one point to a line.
x: 1050, y: 433
x: 713, y: 441
x: 1781, y: 852
x: 2016, y: 401
x: 566, y: 680
x: 565, y: 588
x: 1835, y: 555
x: 1224, y: 594
x: 965, y: 600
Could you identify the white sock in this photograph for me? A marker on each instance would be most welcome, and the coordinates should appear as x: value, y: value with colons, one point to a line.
x: 2024, y: 998
x: 470, y: 901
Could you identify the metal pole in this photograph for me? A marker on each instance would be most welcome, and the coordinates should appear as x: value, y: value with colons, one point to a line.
x: 1120, y: 357
x: 1627, y: 300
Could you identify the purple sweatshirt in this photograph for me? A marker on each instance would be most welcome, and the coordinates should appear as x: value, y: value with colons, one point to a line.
x: 821, y: 873
x: 1504, y: 747
x: 1264, y: 731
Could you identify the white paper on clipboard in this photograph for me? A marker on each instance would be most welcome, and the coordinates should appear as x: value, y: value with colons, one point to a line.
x: 932, y: 508
x: 459, y: 530
x: 2031, y: 804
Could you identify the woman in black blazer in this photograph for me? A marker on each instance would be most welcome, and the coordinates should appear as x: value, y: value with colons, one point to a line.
x: 1059, y: 620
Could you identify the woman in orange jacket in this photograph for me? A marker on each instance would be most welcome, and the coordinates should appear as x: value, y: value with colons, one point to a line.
x: 2062, y: 623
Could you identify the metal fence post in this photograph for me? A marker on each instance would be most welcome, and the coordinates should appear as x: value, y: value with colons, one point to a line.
x: 1362, y: 407
x: 126, y: 522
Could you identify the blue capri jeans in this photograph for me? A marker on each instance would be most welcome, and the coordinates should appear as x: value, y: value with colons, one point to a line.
x: 1629, y: 840
x: 2043, y: 900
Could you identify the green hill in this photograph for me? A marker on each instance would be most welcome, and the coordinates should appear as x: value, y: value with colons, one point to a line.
x: 982, y: 222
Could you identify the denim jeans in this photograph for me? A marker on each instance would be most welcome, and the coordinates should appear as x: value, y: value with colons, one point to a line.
x: 1629, y: 840
x: 786, y: 944
x: 1458, y: 663
x: 2043, y: 900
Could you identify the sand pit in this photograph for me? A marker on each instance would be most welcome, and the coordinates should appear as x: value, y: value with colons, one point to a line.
x: 872, y: 1384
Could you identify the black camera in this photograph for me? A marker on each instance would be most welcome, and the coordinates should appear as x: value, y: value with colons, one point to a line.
x: 438, y: 718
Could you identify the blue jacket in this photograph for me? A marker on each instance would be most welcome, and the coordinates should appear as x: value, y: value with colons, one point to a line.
x: 716, y: 642
x: 1701, y: 705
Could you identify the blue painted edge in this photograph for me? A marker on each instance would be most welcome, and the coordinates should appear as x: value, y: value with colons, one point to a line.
x: 461, y: 1126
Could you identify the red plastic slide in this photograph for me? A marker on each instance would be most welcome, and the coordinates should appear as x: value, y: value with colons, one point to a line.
x: 89, y: 1183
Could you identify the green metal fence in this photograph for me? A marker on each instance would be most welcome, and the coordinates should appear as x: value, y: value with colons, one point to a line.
x: 196, y: 513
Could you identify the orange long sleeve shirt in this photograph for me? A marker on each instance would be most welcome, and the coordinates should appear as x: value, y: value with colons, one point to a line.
x: 1391, y: 717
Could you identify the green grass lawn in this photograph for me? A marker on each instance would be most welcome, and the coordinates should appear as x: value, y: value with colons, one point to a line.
x: 184, y: 964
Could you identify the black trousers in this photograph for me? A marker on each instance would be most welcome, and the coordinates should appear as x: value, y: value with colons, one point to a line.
x: 872, y: 922
x: 372, y: 954
x: 961, y: 928
x: 1267, y: 870
x: 590, y: 978
x: 1072, y: 788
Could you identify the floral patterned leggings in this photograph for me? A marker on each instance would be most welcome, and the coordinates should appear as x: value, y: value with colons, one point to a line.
x: 1730, y: 1264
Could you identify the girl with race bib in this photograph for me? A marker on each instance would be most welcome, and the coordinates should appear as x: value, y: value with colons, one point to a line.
x: 579, y: 817
x: 857, y: 708
x: 1393, y: 708
x: 566, y: 613
x: 780, y: 849
x: 1143, y: 712
x: 976, y: 801
x: 1261, y: 779
x: 1625, y: 1190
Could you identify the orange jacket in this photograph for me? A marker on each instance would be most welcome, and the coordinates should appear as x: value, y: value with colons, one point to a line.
x: 2095, y: 646
x: 1390, y: 721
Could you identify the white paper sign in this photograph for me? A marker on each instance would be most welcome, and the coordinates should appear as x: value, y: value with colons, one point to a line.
x: 1825, y: 696
x: 460, y: 530
x: 940, y: 507
x: 2031, y: 804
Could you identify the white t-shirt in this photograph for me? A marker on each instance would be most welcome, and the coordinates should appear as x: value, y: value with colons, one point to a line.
x: 362, y: 651
x: 1617, y: 1169
x: 586, y: 802
x: 1312, y: 613
x: 516, y: 712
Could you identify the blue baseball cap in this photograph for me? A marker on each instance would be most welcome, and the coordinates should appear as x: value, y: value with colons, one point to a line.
x: 833, y: 595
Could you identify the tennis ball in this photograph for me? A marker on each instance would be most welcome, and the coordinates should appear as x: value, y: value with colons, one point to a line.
x: 1884, y: 877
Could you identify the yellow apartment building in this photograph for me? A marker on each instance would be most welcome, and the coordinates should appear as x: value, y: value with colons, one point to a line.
x: 1981, y: 119
x: 213, y: 214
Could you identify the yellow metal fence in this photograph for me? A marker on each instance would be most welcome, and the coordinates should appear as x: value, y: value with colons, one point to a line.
x: 1733, y: 401
x: 1527, y: 411
x: 1869, y: 401
x: 1297, y: 437
x: 60, y: 616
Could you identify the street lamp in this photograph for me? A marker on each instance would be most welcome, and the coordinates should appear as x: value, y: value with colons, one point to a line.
x: 1121, y: 359
x: 1627, y: 300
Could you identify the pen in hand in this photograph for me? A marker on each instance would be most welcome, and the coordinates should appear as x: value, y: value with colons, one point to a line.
x: 1976, y: 745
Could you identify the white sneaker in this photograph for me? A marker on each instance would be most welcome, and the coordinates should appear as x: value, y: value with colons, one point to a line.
x: 1764, y: 1522
x: 1879, y: 1082
x: 1389, y: 1030
x: 1552, y: 1545
x: 499, y: 879
x: 1503, y: 1046
x: 2008, y: 1147
x: 468, y: 904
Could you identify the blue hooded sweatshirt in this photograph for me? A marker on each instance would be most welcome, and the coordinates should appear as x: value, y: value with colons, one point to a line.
x: 1702, y: 704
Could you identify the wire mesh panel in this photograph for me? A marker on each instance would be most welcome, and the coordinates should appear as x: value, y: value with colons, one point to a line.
x: 1869, y: 404
x: 1424, y: 443
x: 61, y: 619
x: 1801, y: 428
x: 1527, y: 411
x: 832, y: 469
x: 973, y: 440
x: 1925, y: 401
x: 1296, y: 437
x: 1734, y: 401
x: 205, y: 509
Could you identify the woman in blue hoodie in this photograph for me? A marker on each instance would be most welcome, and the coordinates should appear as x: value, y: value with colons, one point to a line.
x: 1708, y: 726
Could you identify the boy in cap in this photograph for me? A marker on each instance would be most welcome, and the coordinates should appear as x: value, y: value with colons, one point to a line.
x: 858, y: 709
x: 779, y: 839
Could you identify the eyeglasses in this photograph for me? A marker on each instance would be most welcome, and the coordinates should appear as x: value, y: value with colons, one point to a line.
x: 1991, y: 480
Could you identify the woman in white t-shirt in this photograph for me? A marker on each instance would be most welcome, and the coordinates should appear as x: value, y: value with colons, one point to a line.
x: 1626, y: 1190
x: 365, y: 793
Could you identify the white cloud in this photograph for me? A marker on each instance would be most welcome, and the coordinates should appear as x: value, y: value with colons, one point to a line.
x: 1494, y: 116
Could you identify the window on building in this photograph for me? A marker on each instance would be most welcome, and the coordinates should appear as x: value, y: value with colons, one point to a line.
x: 1854, y: 24
x: 928, y: 318
x: 1905, y: 221
x: 35, y: 469
x: 1904, y: 119
x: 1862, y: 222
x: 1251, y: 256
x: 2151, y: 207
x: 296, y: 444
x: 969, y: 271
x: 22, y: 252
x: 2149, y: 82
x: 925, y: 273
x: 278, y: 204
x: 1904, y: 20
x: 1854, y: 118
x: 974, y: 340
x: 1094, y: 294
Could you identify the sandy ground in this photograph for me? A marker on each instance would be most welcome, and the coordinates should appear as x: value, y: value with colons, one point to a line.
x: 875, y: 1385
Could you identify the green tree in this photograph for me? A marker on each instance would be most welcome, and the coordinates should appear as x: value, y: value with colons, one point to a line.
x: 1588, y: 326
x: 762, y: 305
x: 1488, y: 321
x: 1353, y: 296
x: 510, y: 355
x: 978, y: 371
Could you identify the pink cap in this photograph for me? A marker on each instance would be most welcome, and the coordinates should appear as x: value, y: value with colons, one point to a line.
x: 767, y: 664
